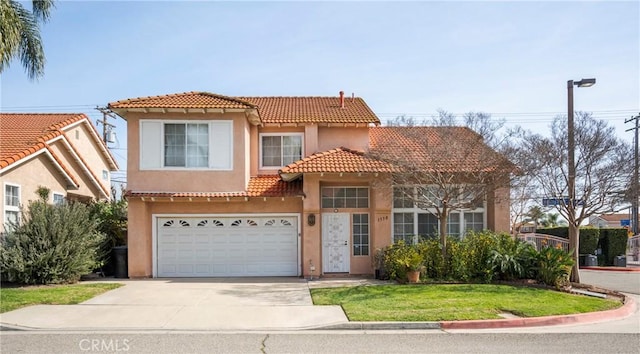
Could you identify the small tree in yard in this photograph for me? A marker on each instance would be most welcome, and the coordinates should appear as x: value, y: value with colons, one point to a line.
x: 52, y: 244
x: 442, y: 168
x: 601, y: 172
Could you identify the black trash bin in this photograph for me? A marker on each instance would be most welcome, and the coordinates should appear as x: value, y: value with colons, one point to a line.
x: 120, y: 262
x: 590, y: 260
x: 620, y: 261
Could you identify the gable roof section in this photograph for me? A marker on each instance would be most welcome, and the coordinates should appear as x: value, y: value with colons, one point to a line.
x: 192, y: 99
x: 337, y: 160
x: 26, y: 135
x: 260, y: 186
x: 271, y: 110
x: 445, y: 149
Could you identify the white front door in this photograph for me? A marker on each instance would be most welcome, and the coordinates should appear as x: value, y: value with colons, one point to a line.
x: 335, y: 242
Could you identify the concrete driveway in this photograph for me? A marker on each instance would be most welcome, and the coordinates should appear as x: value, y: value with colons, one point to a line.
x: 188, y: 304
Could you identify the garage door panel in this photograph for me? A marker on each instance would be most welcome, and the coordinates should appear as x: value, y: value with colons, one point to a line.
x: 227, y: 246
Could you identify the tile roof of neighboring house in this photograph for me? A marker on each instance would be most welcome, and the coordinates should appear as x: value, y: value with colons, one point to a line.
x: 443, y: 149
x: 24, y: 134
x: 337, y: 160
x: 272, y: 110
x: 614, y: 217
x: 260, y: 186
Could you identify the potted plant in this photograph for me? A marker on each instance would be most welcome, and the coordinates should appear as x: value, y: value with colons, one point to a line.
x: 412, y: 262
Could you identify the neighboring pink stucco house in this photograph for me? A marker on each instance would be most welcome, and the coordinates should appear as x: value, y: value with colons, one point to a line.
x: 262, y: 186
x: 59, y: 151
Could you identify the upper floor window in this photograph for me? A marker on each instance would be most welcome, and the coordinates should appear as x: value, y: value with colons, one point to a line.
x: 186, y: 145
x: 11, y: 203
x: 279, y: 150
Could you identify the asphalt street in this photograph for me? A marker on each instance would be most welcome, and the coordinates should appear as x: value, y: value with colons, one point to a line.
x: 319, y: 342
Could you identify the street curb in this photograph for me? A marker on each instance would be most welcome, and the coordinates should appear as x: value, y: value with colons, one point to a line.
x: 384, y: 325
x: 625, y: 310
x: 612, y: 269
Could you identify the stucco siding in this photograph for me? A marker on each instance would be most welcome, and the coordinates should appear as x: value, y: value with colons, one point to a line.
x: 187, y: 180
x: 30, y: 175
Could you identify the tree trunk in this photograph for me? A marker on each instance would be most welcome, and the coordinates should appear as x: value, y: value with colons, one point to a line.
x: 443, y: 233
x: 574, y: 239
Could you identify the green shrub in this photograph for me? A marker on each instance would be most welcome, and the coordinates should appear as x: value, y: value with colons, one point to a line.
x: 400, y: 258
x: 53, y: 244
x: 554, y: 266
x: 613, y: 243
x: 511, y: 258
x: 434, y: 265
x: 477, y: 248
x: 589, y: 237
x: 112, y: 222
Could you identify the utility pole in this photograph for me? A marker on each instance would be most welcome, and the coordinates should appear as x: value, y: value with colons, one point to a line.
x: 635, y: 188
x: 106, y: 126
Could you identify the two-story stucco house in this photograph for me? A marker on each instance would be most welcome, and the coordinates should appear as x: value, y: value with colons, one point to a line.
x: 262, y: 186
x: 60, y: 151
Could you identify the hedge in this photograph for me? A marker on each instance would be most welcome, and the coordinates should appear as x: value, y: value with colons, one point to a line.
x: 589, y: 237
x: 562, y: 231
x: 613, y: 242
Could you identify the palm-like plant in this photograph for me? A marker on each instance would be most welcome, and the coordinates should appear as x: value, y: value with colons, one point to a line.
x: 20, y: 35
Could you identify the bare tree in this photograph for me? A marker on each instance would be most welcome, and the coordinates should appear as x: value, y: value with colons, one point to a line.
x: 601, y: 171
x: 440, y: 168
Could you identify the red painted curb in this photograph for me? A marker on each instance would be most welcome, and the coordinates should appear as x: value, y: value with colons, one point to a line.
x: 613, y: 269
x: 625, y: 310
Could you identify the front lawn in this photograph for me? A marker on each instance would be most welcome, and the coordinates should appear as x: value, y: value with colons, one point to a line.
x: 453, y: 302
x: 14, y: 298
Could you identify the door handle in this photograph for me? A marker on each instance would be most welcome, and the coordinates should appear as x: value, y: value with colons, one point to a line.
x: 346, y: 243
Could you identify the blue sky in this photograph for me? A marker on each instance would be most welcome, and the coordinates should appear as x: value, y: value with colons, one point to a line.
x: 510, y: 59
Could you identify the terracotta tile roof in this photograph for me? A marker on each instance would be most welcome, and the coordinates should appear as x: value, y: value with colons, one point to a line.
x: 22, y: 134
x: 272, y: 110
x: 313, y: 110
x: 614, y: 217
x: 260, y: 186
x: 444, y: 149
x: 191, y: 99
x: 337, y: 160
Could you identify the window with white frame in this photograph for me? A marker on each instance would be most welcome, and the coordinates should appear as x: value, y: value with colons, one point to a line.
x: 411, y: 222
x: 11, y: 203
x: 186, y: 144
x: 277, y: 150
x: 58, y: 198
x: 360, y: 234
x: 345, y: 197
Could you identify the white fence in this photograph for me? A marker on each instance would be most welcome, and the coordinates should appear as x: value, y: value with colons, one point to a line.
x: 540, y: 241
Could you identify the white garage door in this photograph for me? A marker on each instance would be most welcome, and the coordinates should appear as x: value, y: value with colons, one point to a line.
x: 227, y: 246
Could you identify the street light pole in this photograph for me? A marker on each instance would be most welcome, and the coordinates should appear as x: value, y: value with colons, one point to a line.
x: 571, y: 178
